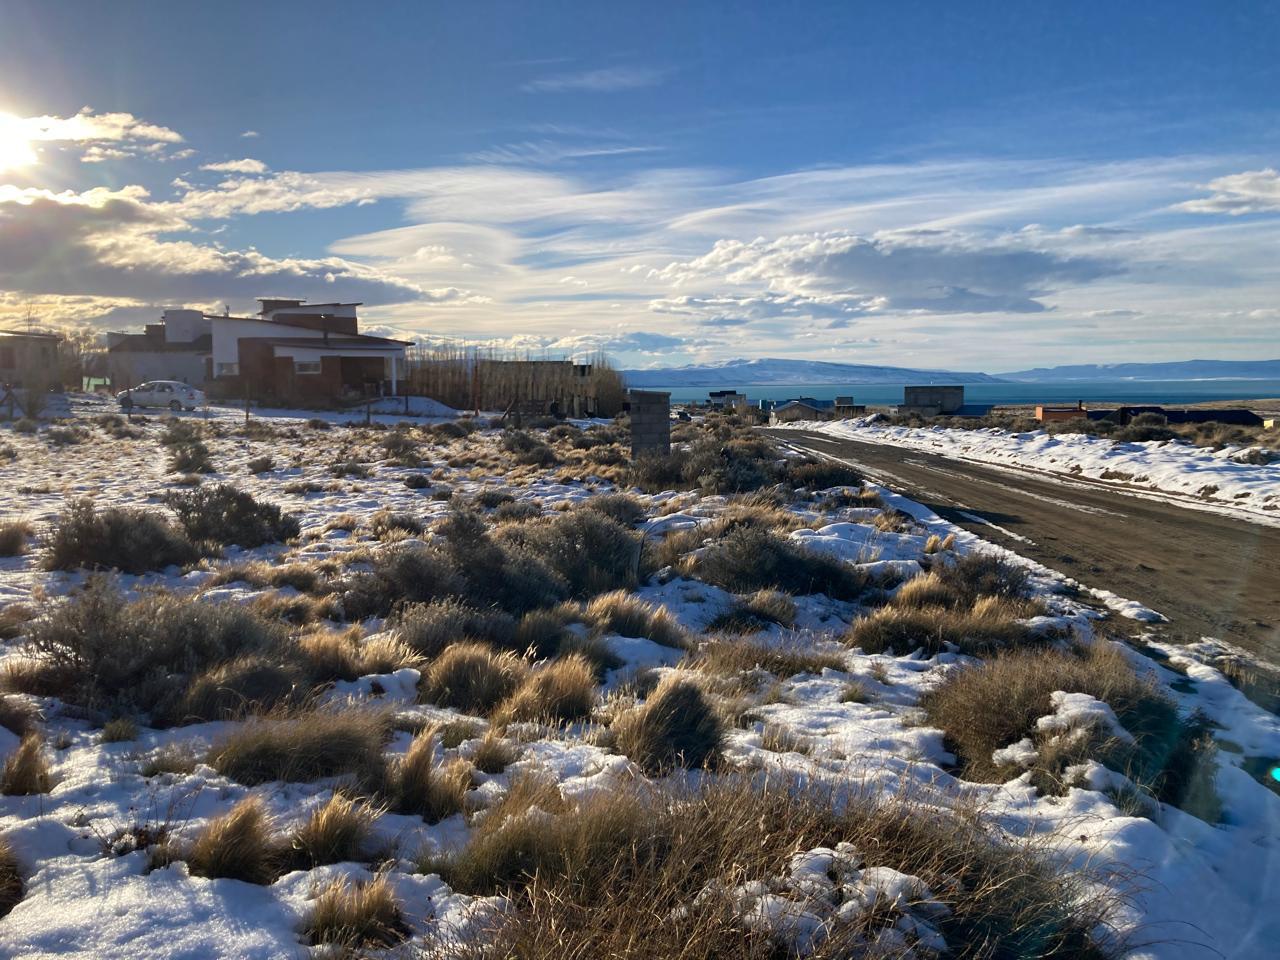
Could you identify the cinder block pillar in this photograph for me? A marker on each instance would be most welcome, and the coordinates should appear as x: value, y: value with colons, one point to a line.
x: 650, y: 422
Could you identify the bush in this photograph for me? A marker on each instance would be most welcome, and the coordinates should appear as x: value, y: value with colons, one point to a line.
x: 401, y: 575
x: 977, y: 575
x: 421, y: 786
x: 330, y: 656
x: 26, y: 771
x: 491, y: 497
x: 386, y: 653
x: 620, y: 612
x: 518, y: 511
x: 304, y: 747
x: 336, y: 832
x: 124, y: 539
x: 11, y: 884
x: 260, y: 464
x: 355, y: 916
x: 621, y: 508
x: 748, y: 559
x: 590, y: 552
x: 675, y: 726
x: 472, y: 677
x: 541, y: 633
x: 240, y: 687
x: 494, y: 754
x: 223, y: 514
x: 563, y: 689
x: 820, y: 474
x: 620, y: 868
x: 429, y: 628
x: 110, y: 651
x: 985, y: 707
x: 190, y: 457
x: 528, y: 449
x: 740, y: 656
x: 17, y: 716
x: 119, y: 730
x: 991, y: 625
x: 417, y: 481
x: 387, y: 522
x: 13, y: 538
x: 237, y: 845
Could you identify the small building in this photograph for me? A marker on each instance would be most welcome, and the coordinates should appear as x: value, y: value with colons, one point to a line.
x: 845, y: 408
x: 1050, y: 414
x: 932, y: 401
x: 726, y: 400
x: 29, y: 359
x: 794, y: 410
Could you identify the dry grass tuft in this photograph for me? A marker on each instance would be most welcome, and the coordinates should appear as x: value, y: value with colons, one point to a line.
x: 431, y: 627
x: 676, y: 726
x: 331, y: 656
x: 336, y: 832
x: 749, y: 559
x: 472, y: 677
x: 494, y: 753
x: 387, y: 653
x: 237, y: 688
x: 304, y: 746
x: 990, y: 626
x: 622, y: 613
x: 421, y: 786
x: 238, y: 845
x: 17, y: 716
x: 563, y: 689
x: 730, y: 657
x: 11, y: 884
x: 26, y: 772
x: 14, y: 535
x: 356, y: 916
x: 119, y: 730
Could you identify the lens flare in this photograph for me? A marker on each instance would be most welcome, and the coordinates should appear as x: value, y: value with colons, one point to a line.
x: 15, y: 147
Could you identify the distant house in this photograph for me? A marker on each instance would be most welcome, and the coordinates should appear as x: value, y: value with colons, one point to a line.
x: 794, y: 410
x: 726, y: 399
x: 1236, y: 416
x: 29, y: 359
x: 290, y: 352
x: 931, y: 401
x: 845, y: 407
x: 1049, y: 414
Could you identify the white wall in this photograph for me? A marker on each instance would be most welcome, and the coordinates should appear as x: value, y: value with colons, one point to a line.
x: 227, y: 332
x: 183, y: 326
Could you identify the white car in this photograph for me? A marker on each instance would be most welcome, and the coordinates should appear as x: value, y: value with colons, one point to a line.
x: 173, y: 394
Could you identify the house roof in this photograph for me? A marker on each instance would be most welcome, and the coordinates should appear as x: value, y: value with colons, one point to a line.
x: 346, y: 342
x: 30, y: 335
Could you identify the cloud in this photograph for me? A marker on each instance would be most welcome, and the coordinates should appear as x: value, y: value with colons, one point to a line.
x: 247, y: 165
x: 547, y: 152
x: 88, y: 126
x: 1254, y: 191
x: 605, y: 80
x: 250, y: 134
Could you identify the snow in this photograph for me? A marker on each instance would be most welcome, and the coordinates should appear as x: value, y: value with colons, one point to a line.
x: 1202, y: 886
x: 1196, y: 477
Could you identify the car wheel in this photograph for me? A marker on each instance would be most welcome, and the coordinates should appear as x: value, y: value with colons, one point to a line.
x: 175, y: 405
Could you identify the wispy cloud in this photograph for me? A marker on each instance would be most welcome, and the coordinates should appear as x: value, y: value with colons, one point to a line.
x: 247, y: 165
x: 604, y: 80
x: 1254, y: 191
x: 547, y: 152
x: 250, y: 134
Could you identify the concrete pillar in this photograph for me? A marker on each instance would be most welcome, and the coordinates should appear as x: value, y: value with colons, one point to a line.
x: 650, y: 422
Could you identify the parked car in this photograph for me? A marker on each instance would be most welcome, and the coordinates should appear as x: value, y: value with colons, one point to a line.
x: 173, y: 394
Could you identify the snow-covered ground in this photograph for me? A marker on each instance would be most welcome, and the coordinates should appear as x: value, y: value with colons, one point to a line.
x: 1197, y: 476
x: 1202, y: 888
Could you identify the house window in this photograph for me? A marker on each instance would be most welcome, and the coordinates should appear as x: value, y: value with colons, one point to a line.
x: 306, y: 366
x: 228, y: 369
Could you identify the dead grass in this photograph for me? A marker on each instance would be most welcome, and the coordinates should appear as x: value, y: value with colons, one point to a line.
x: 424, y: 787
x: 429, y: 628
x: 330, y: 655
x: 336, y: 832
x: 472, y: 677
x: 494, y: 753
x: 990, y: 626
x: 304, y: 746
x: 649, y: 872
x: 119, y: 730
x: 623, y: 613
x: 564, y: 689
x: 356, y: 915
x: 387, y: 653
x: 235, y: 689
x: 14, y: 535
x: 676, y: 726
x: 26, y: 771
x: 13, y: 619
x: 730, y: 657
x: 17, y: 716
x: 749, y: 559
x: 12, y: 886
x: 238, y: 845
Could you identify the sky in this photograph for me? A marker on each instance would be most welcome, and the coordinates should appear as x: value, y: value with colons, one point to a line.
x: 982, y: 186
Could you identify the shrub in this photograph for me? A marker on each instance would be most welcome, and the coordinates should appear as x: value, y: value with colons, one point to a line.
x: 491, y: 497
x: 387, y: 522
x: 991, y: 625
x: 820, y: 474
x: 119, y: 730
x: 125, y: 539
x: 977, y: 575
x: 223, y: 514
x: 422, y: 786
x: 592, y: 553
x: 417, y: 481
x: 11, y: 884
x: 13, y: 619
x: 329, y: 655
x: 246, y: 685
x: 17, y: 716
x: 303, y: 747
x: 739, y: 656
x: 472, y: 677
x: 399, y: 447
x: 400, y: 575
x: 13, y: 537
x: 675, y: 726
x: 237, y: 845
x: 494, y: 754
x: 618, y: 507
x: 335, y: 832
x: 541, y: 633
x: 563, y: 689
x: 260, y: 464
x: 506, y: 572
x: 618, y: 871
x: 620, y: 612
x: 355, y: 916
x: 429, y: 628
x: 517, y: 511
x: 190, y: 457
x: 126, y: 653
x: 654, y: 473
x: 984, y: 707
x: 528, y: 449
x: 748, y: 559
x: 26, y: 771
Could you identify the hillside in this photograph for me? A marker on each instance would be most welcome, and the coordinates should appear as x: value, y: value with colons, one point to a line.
x: 768, y: 371
x: 1182, y: 370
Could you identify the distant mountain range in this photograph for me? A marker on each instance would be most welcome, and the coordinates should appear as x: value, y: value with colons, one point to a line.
x: 1182, y: 370
x: 774, y: 371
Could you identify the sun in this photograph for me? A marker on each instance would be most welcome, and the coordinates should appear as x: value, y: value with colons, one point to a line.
x: 15, y: 148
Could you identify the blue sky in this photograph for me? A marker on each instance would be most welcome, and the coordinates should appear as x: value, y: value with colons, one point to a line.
x: 966, y: 185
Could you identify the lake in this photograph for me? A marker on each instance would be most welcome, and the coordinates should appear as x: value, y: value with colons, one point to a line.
x: 1167, y: 392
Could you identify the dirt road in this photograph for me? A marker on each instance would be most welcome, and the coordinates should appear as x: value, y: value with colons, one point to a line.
x: 1211, y: 575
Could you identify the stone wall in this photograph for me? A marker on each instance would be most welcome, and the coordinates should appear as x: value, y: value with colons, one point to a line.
x: 650, y: 422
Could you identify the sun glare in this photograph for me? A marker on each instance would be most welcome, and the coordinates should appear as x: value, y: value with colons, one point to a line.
x: 15, y: 148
